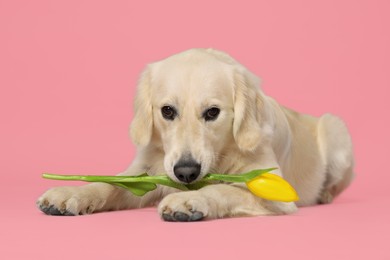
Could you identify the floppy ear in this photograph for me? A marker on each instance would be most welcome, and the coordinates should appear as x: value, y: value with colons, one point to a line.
x: 142, y: 125
x: 248, y: 106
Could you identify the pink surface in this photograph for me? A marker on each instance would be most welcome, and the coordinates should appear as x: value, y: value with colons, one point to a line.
x: 68, y: 71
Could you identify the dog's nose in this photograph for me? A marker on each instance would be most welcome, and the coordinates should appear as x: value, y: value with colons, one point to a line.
x: 187, y: 170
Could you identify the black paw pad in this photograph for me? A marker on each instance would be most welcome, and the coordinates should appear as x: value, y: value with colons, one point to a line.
x: 196, y: 215
x: 167, y: 217
x: 183, y: 217
x: 180, y: 216
x: 53, y: 211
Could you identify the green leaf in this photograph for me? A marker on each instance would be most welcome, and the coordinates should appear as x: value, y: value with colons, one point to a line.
x: 164, y: 180
x: 244, y: 177
x: 199, y: 184
x: 137, y: 188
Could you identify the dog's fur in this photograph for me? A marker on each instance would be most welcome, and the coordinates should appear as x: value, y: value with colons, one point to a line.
x: 252, y: 131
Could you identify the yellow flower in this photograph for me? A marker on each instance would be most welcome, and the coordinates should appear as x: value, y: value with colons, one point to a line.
x: 272, y: 187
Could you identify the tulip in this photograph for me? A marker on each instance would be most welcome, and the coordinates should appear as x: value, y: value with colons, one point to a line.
x: 272, y: 187
x: 260, y: 182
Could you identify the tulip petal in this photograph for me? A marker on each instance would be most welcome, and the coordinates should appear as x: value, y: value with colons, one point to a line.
x: 272, y: 187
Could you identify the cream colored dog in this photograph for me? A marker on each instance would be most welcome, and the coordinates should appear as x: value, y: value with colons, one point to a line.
x: 201, y: 111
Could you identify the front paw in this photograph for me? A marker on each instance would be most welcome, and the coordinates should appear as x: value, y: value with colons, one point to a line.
x: 184, y: 207
x: 68, y: 201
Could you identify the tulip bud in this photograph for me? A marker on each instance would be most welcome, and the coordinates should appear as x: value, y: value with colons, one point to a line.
x: 272, y: 187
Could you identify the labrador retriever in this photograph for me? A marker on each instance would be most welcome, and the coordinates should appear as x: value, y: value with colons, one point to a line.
x: 201, y: 111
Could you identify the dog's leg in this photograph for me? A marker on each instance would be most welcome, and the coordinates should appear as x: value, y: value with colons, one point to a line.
x: 336, y: 149
x: 97, y: 197
x: 219, y: 201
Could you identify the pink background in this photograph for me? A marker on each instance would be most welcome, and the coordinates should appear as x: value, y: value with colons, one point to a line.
x: 68, y: 71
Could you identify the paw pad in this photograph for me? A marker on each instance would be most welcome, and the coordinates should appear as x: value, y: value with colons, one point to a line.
x: 52, y: 210
x: 183, y: 217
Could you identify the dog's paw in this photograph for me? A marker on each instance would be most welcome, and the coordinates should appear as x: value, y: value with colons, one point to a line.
x: 68, y: 201
x: 184, y: 207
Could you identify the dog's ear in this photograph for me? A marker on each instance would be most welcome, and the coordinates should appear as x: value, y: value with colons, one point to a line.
x: 141, y: 127
x: 248, y: 111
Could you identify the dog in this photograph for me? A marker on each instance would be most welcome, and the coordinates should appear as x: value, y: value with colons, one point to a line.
x: 201, y: 111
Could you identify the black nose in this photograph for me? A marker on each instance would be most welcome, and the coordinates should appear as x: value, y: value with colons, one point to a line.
x: 187, y: 170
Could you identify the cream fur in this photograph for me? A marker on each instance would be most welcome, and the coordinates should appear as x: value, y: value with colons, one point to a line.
x: 252, y: 131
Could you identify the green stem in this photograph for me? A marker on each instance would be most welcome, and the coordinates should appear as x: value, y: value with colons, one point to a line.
x: 159, y: 179
x: 136, y: 184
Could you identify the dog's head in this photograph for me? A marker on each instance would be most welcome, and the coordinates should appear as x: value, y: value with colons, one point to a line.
x: 196, y: 106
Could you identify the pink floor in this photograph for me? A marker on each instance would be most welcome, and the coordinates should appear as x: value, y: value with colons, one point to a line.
x: 354, y: 227
x: 68, y: 71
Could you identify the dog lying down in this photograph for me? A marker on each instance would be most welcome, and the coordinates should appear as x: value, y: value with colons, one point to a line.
x: 201, y: 111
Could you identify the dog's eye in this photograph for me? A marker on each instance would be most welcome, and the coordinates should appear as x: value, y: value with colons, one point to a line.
x: 211, y: 114
x: 168, y: 112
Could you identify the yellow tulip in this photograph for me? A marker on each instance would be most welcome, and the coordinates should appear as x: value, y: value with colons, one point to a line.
x: 272, y: 187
